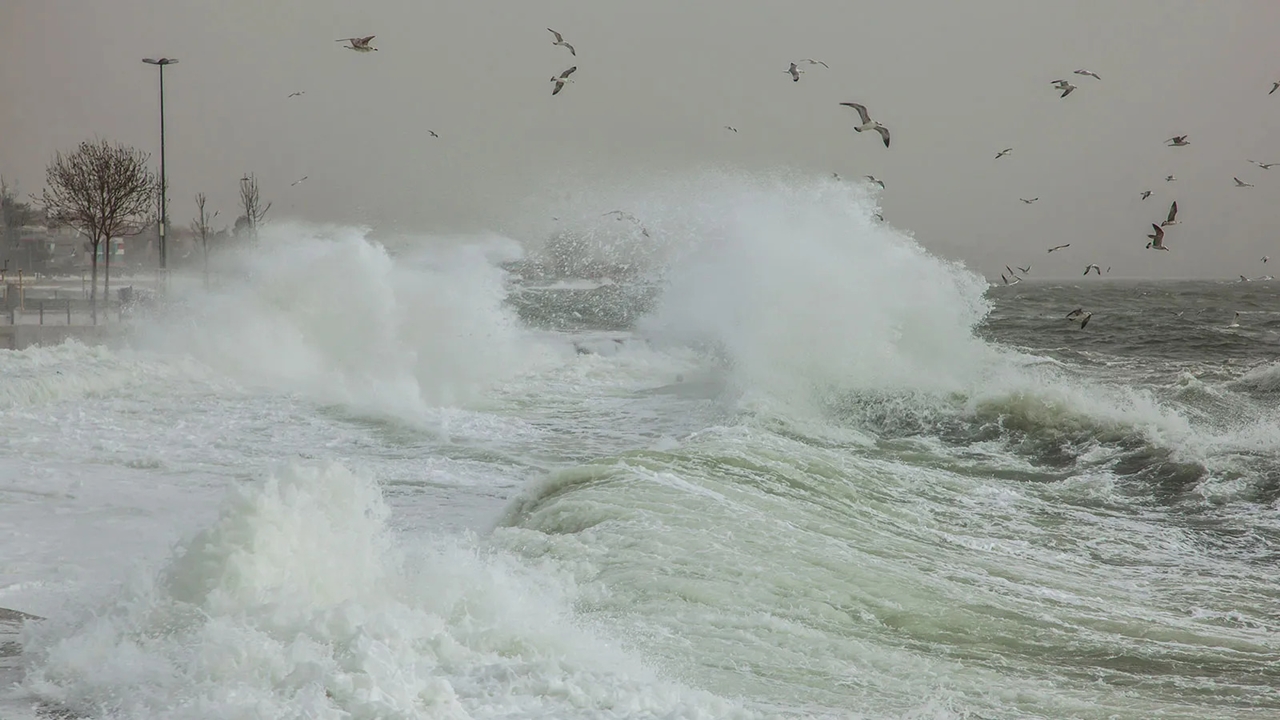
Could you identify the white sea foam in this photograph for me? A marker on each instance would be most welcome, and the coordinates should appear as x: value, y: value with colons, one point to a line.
x: 327, y: 313
x: 794, y: 568
x: 297, y: 602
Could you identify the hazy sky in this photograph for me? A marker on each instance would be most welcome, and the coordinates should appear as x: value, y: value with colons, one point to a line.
x: 657, y: 80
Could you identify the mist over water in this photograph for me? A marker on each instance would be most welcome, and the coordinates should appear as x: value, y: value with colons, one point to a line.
x: 754, y: 453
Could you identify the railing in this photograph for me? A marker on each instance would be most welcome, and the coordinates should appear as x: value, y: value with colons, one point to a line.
x: 62, y: 312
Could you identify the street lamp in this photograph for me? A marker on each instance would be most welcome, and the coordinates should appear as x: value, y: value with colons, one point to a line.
x: 164, y: 217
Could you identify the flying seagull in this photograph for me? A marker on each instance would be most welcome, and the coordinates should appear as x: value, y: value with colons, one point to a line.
x: 1025, y: 200
x: 1092, y: 266
x: 1003, y: 152
x: 1241, y: 183
x: 1024, y: 270
x: 296, y: 94
x: 1274, y: 85
x: 1090, y: 73
x: 868, y: 123
x: 358, y: 44
x: 1264, y: 166
x: 1065, y: 87
x: 1059, y: 247
x: 876, y: 180
x: 624, y: 215
x: 795, y: 72
x: 1081, y: 315
x: 1235, y: 321
x: 1169, y: 178
x: 811, y: 61
x: 433, y: 133
x: 1266, y: 258
x: 560, y: 41
x: 562, y: 79
x: 1146, y: 194
x: 1007, y: 281
x: 1173, y: 213
x: 1178, y: 141
x: 1157, y: 240
x: 726, y: 127
x: 295, y: 182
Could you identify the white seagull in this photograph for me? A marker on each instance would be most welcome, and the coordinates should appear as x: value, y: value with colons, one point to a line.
x: 728, y: 127
x: 1173, y: 213
x: 1090, y: 73
x: 624, y: 215
x: 296, y: 94
x: 1064, y: 86
x: 1025, y: 200
x: 1235, y: 321
x: 1264, y: 166
x: 1157, y: 240
x: 876, y: 180
x: 811, y: 61
x: 562, y: 79
x: 1178, y: 141
x: 1092, y: 266
x: 1169, y: 178
x: 1146, y: 194
x: 867, y: 122
x: 295, y: 182
x: 1266, y: 258
x: 1059, y: 247
x: 560, y: 41
x: 1081, y: 315
x: 1007, y: 281
x: 358, y: 44
x: 1241, y: 183
x: 1274, y: 85
x: 794, y: 72
x: 1003, y: 152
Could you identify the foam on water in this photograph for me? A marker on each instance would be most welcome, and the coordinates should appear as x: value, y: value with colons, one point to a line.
x: 327, y: 313
x: 298, y: 603
x: 739, y: 529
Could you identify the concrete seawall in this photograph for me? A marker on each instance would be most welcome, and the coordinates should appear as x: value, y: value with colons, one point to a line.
x: 21, y: 337
x: 11, y: 670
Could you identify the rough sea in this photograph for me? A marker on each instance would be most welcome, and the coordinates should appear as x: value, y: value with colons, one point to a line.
x: 754, y: 454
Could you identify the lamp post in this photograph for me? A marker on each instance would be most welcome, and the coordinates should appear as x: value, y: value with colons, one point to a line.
x: 164, y: 188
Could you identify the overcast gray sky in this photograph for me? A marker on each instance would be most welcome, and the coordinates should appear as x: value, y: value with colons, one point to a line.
x: 657, y: 80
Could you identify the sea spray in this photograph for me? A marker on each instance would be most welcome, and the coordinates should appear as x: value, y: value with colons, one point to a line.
x: 297, y: 602
x: 328, y: 313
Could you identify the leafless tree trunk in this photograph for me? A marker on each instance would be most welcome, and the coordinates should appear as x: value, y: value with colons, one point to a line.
x: 200, y: 228
x: 250, y: 201
x: 104, y: 189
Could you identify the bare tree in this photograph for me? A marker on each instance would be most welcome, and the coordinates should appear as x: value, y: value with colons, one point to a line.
x: 200, y: 228
x: 254, y: 212
x: 105, y: 190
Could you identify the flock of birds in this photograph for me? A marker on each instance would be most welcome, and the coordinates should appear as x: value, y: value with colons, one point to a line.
x: 1156, y: 240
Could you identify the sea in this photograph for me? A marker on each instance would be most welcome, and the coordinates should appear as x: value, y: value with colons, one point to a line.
x: 748, y: 452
